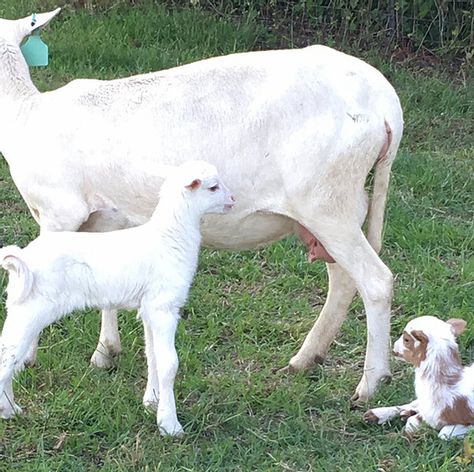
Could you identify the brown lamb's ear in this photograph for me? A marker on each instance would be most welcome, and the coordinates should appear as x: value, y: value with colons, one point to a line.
x: 420, y: 336
x: 194, y: 184
x: 457, y: 326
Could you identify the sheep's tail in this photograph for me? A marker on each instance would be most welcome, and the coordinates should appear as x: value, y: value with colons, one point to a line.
x: 20, y: 276
x: 381, y: 182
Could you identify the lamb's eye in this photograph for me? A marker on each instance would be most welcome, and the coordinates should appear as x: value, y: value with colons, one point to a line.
x: 214, y: 188
x: 406, y: 339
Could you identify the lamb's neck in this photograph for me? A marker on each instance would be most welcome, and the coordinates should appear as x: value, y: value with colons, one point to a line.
x: 15, y: 80
x: 442, y: 369
x: 178, y: 221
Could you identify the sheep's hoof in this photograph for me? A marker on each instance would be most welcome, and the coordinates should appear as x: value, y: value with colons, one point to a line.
x: 10, y: 411
x: 366, y: 387
x: 298, y: 365
x: 172, y: 428
x: 103, y: 361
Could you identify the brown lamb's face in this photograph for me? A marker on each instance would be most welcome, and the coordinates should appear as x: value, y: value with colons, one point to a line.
x: 411, y: 347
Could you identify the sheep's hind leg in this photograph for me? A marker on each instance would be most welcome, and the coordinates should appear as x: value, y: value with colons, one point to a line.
x: 317, y: 342
x: 346, y: 243
x: 109, y: 347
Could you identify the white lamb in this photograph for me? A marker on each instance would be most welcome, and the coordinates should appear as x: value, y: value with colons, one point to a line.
x: 149, y: 267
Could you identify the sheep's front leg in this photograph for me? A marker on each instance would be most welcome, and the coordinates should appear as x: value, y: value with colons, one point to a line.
x: 109, y: 347
x: 162, y: 325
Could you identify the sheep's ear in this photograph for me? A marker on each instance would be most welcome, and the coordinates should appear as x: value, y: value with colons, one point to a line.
x: 194, y: 184
x: 457, y: 326
x: 420, y: 336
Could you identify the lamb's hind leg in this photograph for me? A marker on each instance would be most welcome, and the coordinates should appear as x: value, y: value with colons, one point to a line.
x: 346, y: 243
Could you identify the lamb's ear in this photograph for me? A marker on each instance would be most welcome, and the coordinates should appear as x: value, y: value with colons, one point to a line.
x: 194, y: 184
x: 457, y: 326
x: 419, y: 336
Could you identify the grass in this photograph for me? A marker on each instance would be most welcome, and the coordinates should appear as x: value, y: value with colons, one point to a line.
x: 249, y: 311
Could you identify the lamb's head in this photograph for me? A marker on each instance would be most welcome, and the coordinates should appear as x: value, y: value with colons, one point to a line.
x: 14, y: 31
x: 425, y: 335
x: 200, y: 184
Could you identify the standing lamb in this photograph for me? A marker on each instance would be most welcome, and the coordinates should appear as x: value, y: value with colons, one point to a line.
x: 295, y: 131
x: 149, y: 267
x: 444, y: 389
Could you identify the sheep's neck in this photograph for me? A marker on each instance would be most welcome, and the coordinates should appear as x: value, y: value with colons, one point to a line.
x: 15, y: 80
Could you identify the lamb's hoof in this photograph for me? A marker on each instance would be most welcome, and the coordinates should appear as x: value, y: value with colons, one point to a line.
x: 9, y: 411
x: 104, y: 361
x: 370, y: 417
x: 170, y: 428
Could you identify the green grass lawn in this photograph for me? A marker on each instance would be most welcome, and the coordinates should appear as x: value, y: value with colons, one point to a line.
x: 250, y: 311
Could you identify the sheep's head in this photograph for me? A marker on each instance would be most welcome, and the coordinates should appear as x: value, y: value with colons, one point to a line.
x: 201, y: 185
x: 424, y: 332
x: 14, y: 31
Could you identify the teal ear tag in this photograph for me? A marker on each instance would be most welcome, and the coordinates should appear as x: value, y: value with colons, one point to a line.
x: 35, y: 51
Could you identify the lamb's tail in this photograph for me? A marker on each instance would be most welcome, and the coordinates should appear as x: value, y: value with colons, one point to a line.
x: 20, y: 276
x: 383, y: 166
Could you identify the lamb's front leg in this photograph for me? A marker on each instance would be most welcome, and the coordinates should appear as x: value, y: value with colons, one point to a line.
x: 163, y: 325
x: 152, y: 390
x: 383, y: 414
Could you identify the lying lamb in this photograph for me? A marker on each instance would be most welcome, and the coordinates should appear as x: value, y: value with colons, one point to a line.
x: 444, y: 389
x: 149, y: 267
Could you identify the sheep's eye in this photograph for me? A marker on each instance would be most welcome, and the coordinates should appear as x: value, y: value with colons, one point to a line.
x: 214, y: 188
x: 406, y: 339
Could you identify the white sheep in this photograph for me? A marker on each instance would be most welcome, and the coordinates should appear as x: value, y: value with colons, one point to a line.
x: 149, y: 267
x: 444, y: 388
x: 295, y: 131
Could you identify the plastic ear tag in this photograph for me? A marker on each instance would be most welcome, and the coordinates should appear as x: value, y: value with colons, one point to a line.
x: 35, y: 51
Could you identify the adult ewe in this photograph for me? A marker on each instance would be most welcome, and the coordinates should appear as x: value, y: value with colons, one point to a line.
x: 295, y: 132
